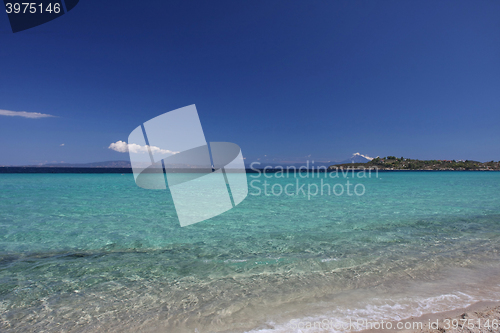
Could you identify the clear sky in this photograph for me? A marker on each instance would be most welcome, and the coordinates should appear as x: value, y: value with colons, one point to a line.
x: 282, y: 79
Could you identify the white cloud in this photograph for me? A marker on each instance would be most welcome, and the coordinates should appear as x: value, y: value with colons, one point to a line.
x: 24, y: 114
x: 62, y: 145
x: 123, y: 147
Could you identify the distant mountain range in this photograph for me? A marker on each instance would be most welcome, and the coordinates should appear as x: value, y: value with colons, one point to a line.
x: 107, y: 164
x: 355, y: 158
x: 356, y: 161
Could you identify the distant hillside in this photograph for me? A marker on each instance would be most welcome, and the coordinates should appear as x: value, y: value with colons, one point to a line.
x: 107, y: 164
x: 394, y: 163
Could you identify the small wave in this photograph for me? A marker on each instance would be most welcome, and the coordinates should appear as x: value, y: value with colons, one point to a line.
x: 329, y: 259
x: 368, y: 315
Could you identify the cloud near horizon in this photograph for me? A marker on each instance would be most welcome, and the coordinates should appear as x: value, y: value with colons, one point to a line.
x: 24, y: 114
x: 123, y: 147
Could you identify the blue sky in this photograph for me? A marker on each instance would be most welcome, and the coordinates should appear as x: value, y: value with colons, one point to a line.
x: 282, y: 79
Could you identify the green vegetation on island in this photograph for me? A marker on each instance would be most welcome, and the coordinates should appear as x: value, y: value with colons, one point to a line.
x: 395, y: 163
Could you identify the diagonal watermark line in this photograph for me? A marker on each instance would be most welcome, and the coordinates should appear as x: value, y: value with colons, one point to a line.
x: 64, y: 6
x: 228, y: 186
x: 147, y: 144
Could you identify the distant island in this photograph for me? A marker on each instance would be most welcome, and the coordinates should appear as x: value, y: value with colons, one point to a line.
x: 394, y: 163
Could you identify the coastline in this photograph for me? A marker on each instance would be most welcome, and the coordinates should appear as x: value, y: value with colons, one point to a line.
x: 91, y: 170
x: 460, y: 293
x: 474, y: 314
x: 443, y: 322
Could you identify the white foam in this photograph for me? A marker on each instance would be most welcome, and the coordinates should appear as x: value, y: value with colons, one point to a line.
x: 350, y: 319
x: 329, y: 259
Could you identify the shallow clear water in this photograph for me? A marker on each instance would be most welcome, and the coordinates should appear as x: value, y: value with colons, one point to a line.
x: 90, y: 252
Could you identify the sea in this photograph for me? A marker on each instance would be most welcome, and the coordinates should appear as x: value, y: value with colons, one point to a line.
x: 304, y: 252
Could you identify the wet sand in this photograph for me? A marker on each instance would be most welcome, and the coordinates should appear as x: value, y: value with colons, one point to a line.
x: 481, y: 317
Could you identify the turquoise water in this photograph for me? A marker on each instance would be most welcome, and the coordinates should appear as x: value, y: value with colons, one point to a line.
x: 91, y: 252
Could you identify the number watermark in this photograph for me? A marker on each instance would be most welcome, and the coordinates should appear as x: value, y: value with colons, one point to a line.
x: 26, y: 15
x: 363, y: 324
